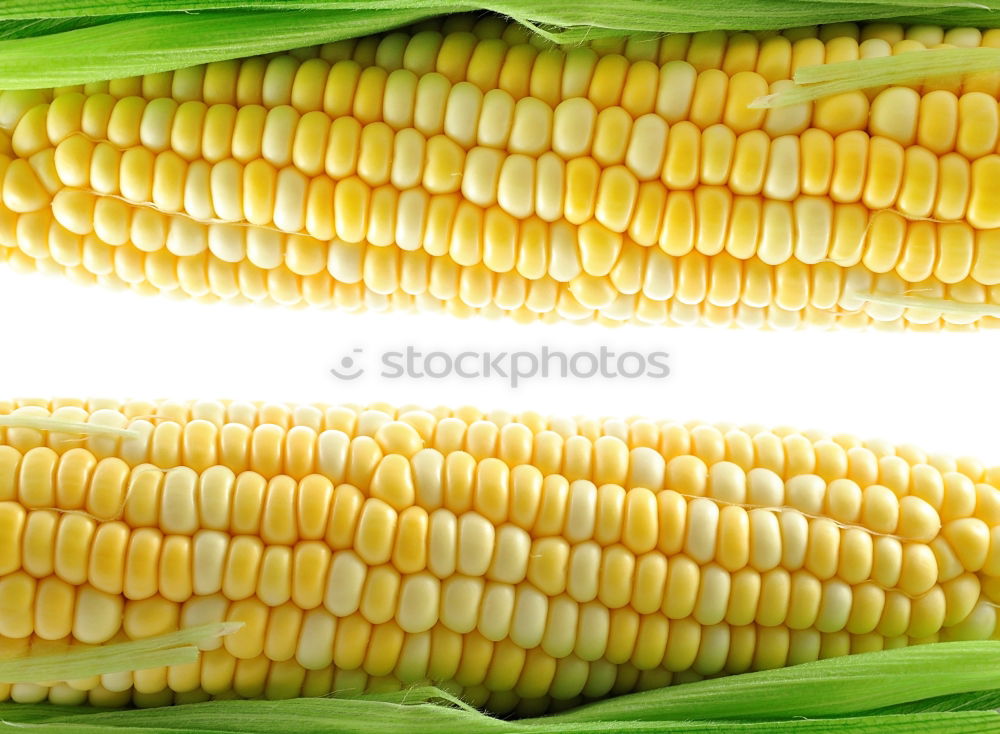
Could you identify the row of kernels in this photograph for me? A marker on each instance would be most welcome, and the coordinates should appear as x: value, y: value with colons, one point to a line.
x: 344, y: 85
x: 347, y: 443
x: 875, y: 507
x: 794, y: 287
x: 317, y: 639
x: 699, y: 282
x: 605, y: 204
x: 839, y: 465
x: 885, y: 463
x: 100, y: 415
x: 548, y: 306
x: 433, y: 108
x: 547, y: 301
x: 178, y: 500
x: 784, y: 450
x: 679, y: 587
x: 260, y: 194
x: 352, y: 148
x: 588, y: 630
x: 277, y: 507
x: 709, y: 219
x: 75, y: 477
x: 812, y: 230
x: 932, y: 255
x: 447, y: 475
x: 939, y: 121
x: 145, y: 562
x: 533, y: 683
x: 496, y: 675
x: 763, y: 540
x: 808, y: 228
x: 610, y: 137
x: 349, y: 210
x: 361, y: 420
x: 378, y: 421
x: 193, y: 446
x: 710, y: 441
x: 557, y: 486
x: 73, y: 480
x: 165, y: 570
x: 318, y: 416
x: 777, y: 55
x: 948, y: 252
x: 916, y: 183
x: 851, y: 167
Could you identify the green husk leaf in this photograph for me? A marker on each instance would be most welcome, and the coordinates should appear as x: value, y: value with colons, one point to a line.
x: 836, y: 686
x: 806, y: 695
x: 816, y: 82
x: 114, y: 38
x: 974, y: 701
x: 983, y: 16
x: 345, y: 716
x: 60, y: 425
x: 638, y: 14
x: 173, y: 648
x: 154, y: 43
x: 11, y: 29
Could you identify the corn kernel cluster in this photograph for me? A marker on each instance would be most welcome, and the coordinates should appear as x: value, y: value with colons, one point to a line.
x: 469, y: 167
x: 525, y: 563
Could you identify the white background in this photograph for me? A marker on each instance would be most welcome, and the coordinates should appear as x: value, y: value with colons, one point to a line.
x: 939, y: 391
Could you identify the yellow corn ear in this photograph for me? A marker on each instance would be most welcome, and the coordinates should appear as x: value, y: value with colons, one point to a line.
x: 469, y: 167
x: 520, y: 561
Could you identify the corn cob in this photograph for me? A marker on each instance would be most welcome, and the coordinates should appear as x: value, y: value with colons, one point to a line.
x: 522, y: 562
x: 466, y: 166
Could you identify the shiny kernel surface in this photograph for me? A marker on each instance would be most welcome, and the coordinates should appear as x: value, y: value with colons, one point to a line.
x: 462, y: 166
x: 509, y: 557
